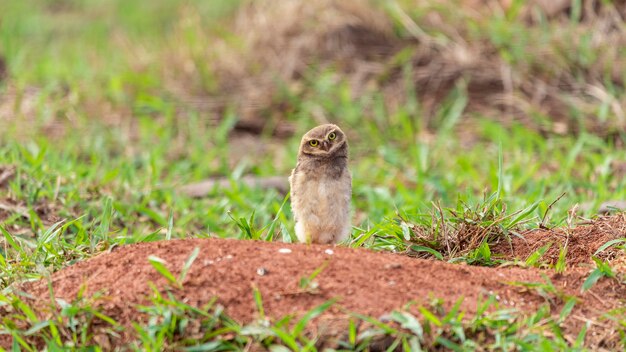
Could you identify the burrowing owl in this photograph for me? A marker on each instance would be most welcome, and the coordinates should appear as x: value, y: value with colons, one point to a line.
x: 321, y: 186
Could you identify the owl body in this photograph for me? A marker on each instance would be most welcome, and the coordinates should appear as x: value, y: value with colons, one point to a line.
x: 321, y: 187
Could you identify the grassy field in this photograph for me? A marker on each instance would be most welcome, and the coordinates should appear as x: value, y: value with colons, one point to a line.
x: 108, y: 107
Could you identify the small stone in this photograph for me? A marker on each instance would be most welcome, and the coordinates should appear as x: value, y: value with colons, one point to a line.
x: 329, y: 251
x: 284, y: 250
x: 228, y: 256
x: 261, y: 271
x: 208, y: 262
x: 393, y: 266
x: 391, y: 283
x: 385, y: 318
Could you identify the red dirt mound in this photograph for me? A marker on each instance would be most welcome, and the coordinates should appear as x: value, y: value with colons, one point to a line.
x: 581, y: 242
x: 364, y: 281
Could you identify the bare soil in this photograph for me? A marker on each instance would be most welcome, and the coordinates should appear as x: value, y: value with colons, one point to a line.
x: 363, y: 281
x: 581, y: 242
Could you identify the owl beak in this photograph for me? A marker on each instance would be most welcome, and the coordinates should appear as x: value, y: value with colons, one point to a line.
x: 325, y: 145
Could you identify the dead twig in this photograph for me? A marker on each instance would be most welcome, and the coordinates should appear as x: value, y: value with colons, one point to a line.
x: 542, y: 225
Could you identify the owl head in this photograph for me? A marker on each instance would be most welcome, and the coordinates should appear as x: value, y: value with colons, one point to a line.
x: 324, y: 141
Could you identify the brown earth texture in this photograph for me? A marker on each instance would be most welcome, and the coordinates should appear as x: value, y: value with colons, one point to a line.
x: 361, y: 280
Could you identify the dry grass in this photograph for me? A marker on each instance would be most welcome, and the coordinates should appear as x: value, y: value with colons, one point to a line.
x: 530, y: 70
x: 538, y: 63
x: 465, y: 231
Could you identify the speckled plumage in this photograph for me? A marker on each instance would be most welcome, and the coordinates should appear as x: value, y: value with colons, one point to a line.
x: 321, y: 186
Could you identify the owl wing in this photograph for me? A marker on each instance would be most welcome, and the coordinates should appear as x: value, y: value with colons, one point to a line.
x: 292, y: 195
x: 291, y: 180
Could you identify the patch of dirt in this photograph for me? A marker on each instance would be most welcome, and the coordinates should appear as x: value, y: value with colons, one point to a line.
x: 363, y: 281
x: 581, y: 241
x: 46, y: 212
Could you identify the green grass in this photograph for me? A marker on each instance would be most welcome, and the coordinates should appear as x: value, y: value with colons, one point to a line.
x: 100, y: 145
x: 171, y: 324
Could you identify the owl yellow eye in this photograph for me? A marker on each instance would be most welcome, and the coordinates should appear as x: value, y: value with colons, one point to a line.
x: 314, y: 143
x: 331, y: 136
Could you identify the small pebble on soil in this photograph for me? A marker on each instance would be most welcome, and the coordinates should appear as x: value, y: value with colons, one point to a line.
x: 393, y: 266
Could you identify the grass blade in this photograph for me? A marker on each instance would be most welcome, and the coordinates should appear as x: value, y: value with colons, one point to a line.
x: 159, y: 265
x: 170, y: 226
x: 609, y: 244
x: 311, y: 314
x: 418, y: 248
x: 188, y: 264
x: 534, y: 257
x: 592, y: 279
x: 9, y: 238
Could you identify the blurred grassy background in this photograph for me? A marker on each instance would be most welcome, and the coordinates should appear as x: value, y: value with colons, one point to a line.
x: 108, y: 107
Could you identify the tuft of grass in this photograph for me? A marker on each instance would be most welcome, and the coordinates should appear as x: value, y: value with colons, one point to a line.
x: 174, y: 325
x: 160, y: 266
x: 171, y: 324
x: 534, y: 259
x: 462, y: 233
x: 492, y: 328
x: 308, y: 283
x: 547, y: 290
x: 78, y: 324
x: 603, y: 269
x: 561, y: 263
